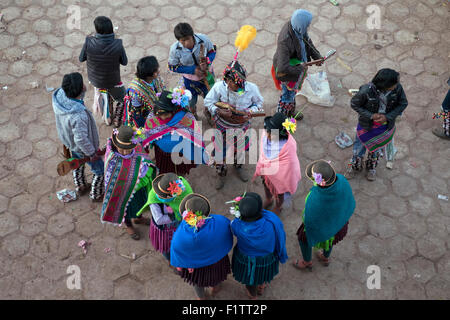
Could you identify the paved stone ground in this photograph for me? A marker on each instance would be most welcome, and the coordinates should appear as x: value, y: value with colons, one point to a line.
x: 399, y: 224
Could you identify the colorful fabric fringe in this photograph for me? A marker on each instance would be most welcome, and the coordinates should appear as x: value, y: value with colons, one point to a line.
x: 292, y: 85
x: 254, y: 271
x: 143, y: 92
x: 375, y: 138
x: 121, y: 181
x: 183, y: 125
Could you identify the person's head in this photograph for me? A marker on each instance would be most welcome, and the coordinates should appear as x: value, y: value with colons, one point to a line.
x: 250, y: 207
x: 121, y: 140
x: 73, y: 86
x: 147, y: 68
x: 300, y: 21
x: 184, y: 34
x: 167, y: 185
x: 321, y: 172
x: 195, y: 203
x: 386, y: 79
x: 103, y: 25
x: 164, y: 107
x: 276, y: 123
x: 235, y: 76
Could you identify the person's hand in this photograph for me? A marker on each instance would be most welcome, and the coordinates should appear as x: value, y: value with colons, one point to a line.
x: 382, y: 118
x: 199, y: 73
x: 225, y: 113
x: 95, y: 157
x: 321, y: 61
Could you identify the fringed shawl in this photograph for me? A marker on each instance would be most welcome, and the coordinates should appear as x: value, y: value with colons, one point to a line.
x: 123, y: 177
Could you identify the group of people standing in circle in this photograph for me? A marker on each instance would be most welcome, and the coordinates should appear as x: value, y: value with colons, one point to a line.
x: 183, y: 225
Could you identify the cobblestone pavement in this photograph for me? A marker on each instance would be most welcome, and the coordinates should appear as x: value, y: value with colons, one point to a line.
x: 399, y: 223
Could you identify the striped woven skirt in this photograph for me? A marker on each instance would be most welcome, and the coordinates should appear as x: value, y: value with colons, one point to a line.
x: 254, y: 271
x: 209, y: 276
x: 161, y: 236
x: 339, y: 236
x: 164, y: 163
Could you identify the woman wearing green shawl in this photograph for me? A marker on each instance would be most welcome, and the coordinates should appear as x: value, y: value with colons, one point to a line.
x: 168, y: 190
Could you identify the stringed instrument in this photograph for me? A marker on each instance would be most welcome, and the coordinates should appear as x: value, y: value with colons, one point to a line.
x: 238, y: 116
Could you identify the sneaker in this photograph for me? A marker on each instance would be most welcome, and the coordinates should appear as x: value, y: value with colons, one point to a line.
x: 220, y: 182
x: 371, y: 175
x: 390, y: 164
x: 439, y: 132
x: 241, y: 174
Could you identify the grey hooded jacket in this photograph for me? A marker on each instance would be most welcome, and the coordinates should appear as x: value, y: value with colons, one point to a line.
x: 75, y: 124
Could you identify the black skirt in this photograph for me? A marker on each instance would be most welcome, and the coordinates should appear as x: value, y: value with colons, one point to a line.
x: 209, y: 276
x: 339, y: 236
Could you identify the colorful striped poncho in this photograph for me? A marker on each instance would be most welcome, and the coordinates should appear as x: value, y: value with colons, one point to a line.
x: 124, y: 175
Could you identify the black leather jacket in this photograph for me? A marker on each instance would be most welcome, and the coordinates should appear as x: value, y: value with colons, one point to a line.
x: 366, y: 102
x: 104, y: 54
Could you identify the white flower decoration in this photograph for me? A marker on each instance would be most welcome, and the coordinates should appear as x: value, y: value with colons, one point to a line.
x: 235, y: 212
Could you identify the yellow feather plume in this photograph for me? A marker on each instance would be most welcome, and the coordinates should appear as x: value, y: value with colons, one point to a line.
x: 245, y: 35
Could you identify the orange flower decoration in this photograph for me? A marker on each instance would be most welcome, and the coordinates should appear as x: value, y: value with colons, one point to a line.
x: 174, y: 188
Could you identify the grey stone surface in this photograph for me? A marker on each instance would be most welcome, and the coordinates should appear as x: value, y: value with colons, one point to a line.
x: 399, y: 223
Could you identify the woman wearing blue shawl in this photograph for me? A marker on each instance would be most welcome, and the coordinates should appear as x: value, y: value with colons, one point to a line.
x: 200, y: 246
x: 261, y: 244
x: 294, y: 49
x: 328, y: 208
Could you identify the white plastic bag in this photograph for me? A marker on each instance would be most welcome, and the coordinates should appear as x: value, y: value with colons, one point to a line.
x: 317, y: 89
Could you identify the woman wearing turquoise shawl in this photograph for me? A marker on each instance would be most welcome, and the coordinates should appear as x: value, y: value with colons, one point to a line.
x: 200, y: 246
x: 328, y: 208
x: 261, y: 244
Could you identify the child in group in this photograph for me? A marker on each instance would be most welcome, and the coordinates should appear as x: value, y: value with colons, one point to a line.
x: 185, y: 57
x: 143, y: 92
x: 104, y: 54
x: 78, y: 132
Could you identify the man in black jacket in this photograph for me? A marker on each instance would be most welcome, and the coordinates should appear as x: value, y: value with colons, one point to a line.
x: 293, y: 46
x: 104, y: 55
x: 378, y: 104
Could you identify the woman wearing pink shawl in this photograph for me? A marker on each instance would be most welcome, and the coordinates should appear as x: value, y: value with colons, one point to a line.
x: 278, y: 164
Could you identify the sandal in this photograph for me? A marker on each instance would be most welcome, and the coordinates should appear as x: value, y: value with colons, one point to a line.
x: 134, y: 235
x: 215, y: 290
x: 260, y: 289
x: 302, y: 265
x: 252, y: 297
x: 325, y: 261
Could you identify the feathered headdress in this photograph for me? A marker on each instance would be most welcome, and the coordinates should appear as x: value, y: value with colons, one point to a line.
x: 245, y: 35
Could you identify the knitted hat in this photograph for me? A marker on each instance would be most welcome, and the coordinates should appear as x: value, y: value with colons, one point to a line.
x: 236, y: 73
